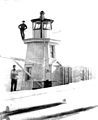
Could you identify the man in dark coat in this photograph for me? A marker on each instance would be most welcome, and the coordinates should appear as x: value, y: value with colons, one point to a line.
x: 22, y: 28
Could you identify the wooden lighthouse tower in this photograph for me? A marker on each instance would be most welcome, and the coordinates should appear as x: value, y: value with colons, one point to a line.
x: 40, y: 53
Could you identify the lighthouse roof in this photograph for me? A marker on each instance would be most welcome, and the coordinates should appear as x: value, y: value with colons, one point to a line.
x: 44, y: 20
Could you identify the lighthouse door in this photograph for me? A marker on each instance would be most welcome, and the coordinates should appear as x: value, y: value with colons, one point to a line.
x: 28, y: 69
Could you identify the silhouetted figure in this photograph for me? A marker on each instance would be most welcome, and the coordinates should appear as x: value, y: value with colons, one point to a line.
x: 14, y: 78
x: 47, y: 83
x: 22, y: 28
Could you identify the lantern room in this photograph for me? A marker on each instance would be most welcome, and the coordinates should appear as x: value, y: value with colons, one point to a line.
x: 41, y: 26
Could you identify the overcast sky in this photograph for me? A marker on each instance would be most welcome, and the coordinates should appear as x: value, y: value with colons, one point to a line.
x: 76, y: 21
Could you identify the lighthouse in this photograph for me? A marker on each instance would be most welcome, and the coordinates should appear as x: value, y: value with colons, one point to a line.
x: 40, y: 54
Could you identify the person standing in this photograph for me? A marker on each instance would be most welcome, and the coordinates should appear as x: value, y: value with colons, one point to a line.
x: 14, y: 78
x: 22, y: 28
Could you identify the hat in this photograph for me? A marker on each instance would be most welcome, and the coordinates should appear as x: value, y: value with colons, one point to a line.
x: 23, y: 21
x: 14, y: 65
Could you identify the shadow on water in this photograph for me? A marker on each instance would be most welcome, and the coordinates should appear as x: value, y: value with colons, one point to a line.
x: 8, y: 113
x: 68, y: 113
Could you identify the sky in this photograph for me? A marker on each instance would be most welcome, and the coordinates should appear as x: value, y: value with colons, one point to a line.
x: 75, y: 24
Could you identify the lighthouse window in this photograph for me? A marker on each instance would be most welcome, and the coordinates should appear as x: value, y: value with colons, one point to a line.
x: 28, y: 69
x: 37, y: 25
x: 52, y: 51
x: 46, y: 26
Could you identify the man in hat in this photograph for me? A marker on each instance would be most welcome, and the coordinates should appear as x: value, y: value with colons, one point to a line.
x: 14, y: 78
x: 22, y: 28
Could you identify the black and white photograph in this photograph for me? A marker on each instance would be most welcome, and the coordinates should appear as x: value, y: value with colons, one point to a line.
x: 48, y: 59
